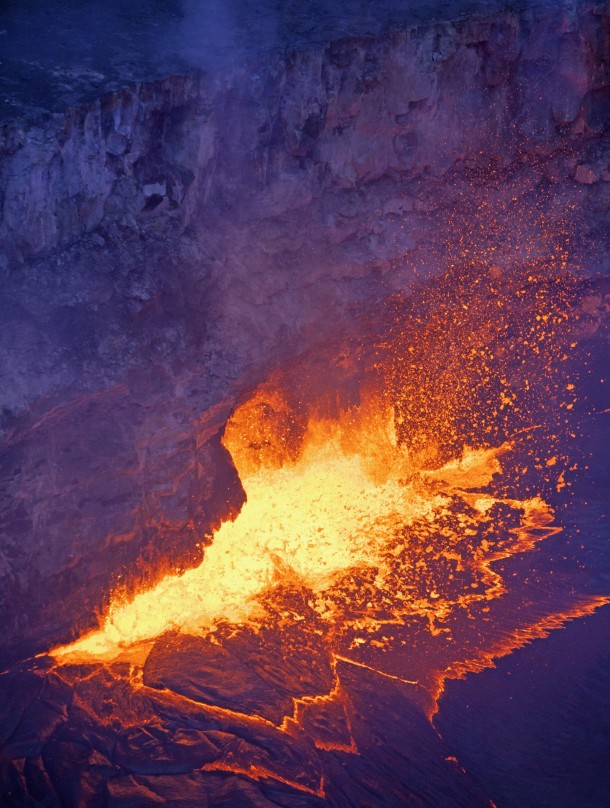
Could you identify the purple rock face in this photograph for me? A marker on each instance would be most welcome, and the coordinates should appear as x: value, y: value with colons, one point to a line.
x: 222, y: 223
x: 180, y: 223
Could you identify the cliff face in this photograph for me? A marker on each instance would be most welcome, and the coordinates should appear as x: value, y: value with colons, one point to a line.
x: 341, y: 114
x: 169, y: 244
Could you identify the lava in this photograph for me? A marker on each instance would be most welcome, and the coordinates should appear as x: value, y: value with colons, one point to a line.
x: 386, y: 514
x: 382, y: 538
x: 351, y: 522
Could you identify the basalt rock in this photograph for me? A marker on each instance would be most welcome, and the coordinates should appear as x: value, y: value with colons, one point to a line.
x: 279, y: 129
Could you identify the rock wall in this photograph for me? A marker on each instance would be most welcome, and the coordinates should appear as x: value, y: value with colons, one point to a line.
x: 169, y: 244
x: 344, y: 113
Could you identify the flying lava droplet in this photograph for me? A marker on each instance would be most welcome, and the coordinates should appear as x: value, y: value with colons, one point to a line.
x: 391, y: 520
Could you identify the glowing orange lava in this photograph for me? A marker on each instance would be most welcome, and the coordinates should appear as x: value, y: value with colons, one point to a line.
x: 382, y: 531
x: 379, y: 540
x: 374, y: 540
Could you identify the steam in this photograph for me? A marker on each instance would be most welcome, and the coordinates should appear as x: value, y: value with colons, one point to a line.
x: 208, y: 33
x: 216, y: 32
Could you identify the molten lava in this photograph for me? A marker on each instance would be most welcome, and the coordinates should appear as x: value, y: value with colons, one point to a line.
x: 384, y: 539
x: 376, y: 513
x: 351, y: 508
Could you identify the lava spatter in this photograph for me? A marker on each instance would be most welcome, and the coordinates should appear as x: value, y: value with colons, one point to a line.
x: 371, y: 539
x: 381, y: 541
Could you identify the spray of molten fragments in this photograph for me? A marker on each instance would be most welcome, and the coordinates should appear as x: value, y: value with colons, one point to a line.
x: 308, y: 521
x: 386, y: 519
x: 351, y: 507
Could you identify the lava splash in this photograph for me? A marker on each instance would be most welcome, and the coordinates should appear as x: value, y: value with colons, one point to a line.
x: 391, y: 517
x: 378, y: 552
x: 372, y: 540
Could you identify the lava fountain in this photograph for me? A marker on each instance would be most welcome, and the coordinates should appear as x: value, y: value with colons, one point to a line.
x: 381, y: 537
x: 333, y: 523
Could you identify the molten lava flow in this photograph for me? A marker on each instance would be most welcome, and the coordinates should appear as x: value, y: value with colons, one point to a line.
x: 374, y: 540
x: 311, y: 521
x: 386, y: 538
x: 382, y: 542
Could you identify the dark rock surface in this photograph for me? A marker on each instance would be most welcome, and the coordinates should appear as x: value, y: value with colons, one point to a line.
x: 60, y: 53
x: 87, y: 736
x: 276, y: 131
x: 256, y: 670
x: 506, y: 723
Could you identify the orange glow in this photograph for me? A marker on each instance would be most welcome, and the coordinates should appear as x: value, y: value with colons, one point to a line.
x: 372, y: 538
x: 308, y: 522
x: 383, y: 532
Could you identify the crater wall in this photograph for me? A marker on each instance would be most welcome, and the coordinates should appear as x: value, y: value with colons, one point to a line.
x: 168, y: 244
